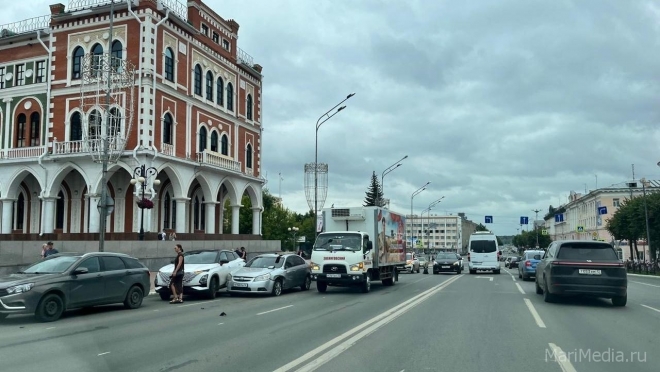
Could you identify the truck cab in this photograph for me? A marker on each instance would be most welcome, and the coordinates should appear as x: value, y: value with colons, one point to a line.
x: 341, y: 258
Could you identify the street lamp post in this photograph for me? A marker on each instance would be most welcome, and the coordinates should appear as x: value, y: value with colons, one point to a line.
x: 417, y: 192
x: 646, y: 217
x: 385, y: 172
x: 294, y: 230
x: 428, y: 235
x: 316, y: 153
x: 141, y: 175
x: 536, y: 227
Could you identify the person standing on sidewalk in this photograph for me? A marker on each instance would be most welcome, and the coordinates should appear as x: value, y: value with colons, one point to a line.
x: 176, y: 280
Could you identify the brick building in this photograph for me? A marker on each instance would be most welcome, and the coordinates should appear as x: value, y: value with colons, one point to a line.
x: 196, y: 119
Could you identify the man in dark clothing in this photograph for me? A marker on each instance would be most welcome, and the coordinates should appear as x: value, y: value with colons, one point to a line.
x: 50, y: 250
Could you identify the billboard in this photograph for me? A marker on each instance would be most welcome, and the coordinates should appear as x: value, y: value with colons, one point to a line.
x: 391, y: 243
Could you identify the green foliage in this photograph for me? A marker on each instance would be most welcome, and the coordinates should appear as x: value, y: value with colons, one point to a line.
x: 527, y: 239
x: 629, y: 221
x: 499, y: 242
x: 481, y: 227
x: 374, y: 193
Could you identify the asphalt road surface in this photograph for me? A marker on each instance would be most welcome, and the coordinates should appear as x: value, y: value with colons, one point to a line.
x: 429, y: 322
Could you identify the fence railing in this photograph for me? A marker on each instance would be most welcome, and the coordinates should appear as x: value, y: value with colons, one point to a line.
x: 26, y: 25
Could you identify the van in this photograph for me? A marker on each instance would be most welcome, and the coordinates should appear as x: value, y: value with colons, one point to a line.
x: 483, y: 252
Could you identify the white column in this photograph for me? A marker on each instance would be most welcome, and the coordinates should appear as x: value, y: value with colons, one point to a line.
x: 235, y: 213
x: 7, y: 125
x: 7, y: 215
x: 94, y: 215
x: 256, y: 225
x: 210, y: 217
x: 181, y: 220
x: 48, y: 204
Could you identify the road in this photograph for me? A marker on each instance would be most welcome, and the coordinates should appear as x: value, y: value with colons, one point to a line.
x: 423, y: 323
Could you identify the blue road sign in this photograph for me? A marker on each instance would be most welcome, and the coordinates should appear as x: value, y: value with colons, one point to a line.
x: 524, y: 220
x: 559, y: 217
x: 489, y: 219
x: 602, y: 210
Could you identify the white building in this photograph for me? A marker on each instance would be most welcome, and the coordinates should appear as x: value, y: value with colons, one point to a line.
x: 441, y: 232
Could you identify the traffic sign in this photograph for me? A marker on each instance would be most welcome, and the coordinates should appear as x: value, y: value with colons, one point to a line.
x: 595, y: 235
x: 524, y: 220
x: 602, y: 210
x: 544, y: 232
x: 489, y: 219
x: 580, y: 229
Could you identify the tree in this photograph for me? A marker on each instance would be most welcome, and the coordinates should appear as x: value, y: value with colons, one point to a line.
x: 499, y: 241
x: 629, y: 222
x: 481, y: 227
x: 374, y: 193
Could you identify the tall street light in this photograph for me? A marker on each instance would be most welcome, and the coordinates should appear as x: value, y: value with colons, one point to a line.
x: 433, y: 204
x: 646, y: 215
x: 385, y: 172
x: 536, y: 227
x: 294, y: 232
x: 141, y: 175
x: 320, y: 122
x: 417, y: 192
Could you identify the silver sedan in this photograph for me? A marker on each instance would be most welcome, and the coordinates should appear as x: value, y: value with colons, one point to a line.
x: 271, y: 274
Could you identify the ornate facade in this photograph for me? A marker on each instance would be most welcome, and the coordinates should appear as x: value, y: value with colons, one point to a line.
x: 197, y: 120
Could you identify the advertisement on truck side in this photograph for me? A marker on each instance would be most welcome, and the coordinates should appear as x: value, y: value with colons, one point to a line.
x: 391, y: 242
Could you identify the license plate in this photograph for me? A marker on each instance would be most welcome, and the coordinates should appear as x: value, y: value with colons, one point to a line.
x: 446, y: 267
x: 240, y: 284
x: 334, y: 275
x: 589, y: 272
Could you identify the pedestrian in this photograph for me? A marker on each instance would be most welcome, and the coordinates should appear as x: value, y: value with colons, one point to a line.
x: 173, y: 236
x: 243, y: 254
x: 176, y: 279
x: 162, y: 235
x: 44, y: 248
x: 50, y: 250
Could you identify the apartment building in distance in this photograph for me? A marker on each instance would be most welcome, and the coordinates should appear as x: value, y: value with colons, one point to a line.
x: 582, y: 217
x: 439, y: 232
x: 196, y: 119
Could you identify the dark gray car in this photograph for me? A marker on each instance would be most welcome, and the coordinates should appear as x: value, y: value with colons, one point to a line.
x: 74, y: 280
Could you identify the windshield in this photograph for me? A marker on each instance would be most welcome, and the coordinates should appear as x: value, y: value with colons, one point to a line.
x: 55, y: 265
x: 483, y: 246
x: 530, y: 255
x: 329, y: 242
x: 200, y: 257
x: 446, y: 256
x: 263, y: 262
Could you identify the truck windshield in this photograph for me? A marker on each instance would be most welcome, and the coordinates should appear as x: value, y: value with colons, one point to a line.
x: 338, y: 242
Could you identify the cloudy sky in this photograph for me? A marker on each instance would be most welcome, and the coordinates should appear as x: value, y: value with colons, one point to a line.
x: 504, y: 106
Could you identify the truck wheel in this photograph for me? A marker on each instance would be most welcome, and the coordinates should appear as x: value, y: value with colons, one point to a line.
x: 321, y: 286
x: 366, y: 285
x: 396, y: 274
x: 388, y: 282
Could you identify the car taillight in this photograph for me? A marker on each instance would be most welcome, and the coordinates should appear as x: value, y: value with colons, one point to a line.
x: 527, y: 263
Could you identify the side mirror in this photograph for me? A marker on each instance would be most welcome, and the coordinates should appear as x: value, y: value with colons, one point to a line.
x: 222, y: 262
x: 537, y: 257
x: 80, y: 270
x: 370, y: 245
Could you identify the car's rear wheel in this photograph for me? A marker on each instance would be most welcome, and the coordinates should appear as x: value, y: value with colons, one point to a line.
x: 620, y: 301
x: 547, y: 297
x: 538, y: 288
x: 134, y: 298
x: 50, y: 308
x: 308, y: 283
x: 321, y: 286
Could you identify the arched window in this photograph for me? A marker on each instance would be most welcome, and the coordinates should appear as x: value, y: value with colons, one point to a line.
x: 199, y: 220
x: 167, y: 129
x: 196, y: 214
x: 230, y: 97
x: 166, y: 211
x: 75, y: 127
x: 249, y: 107
x: 248, y: 156
x: 76, y: 62
x: 174, y: 214
x: 202, y: 139
x: 21, y: 120
x: 115, y: 122
x: 214, y: 141
x: 97, y: 59
x: 59, y: 211
x: 219, y: 86
x: 20, y: 212
x: 224, y: 145
x: 209, y: 86
x: 94, y: 127
x: 198, y: 80
x: 116, y: 54
x: 169, y: 64
x: 34, y: 129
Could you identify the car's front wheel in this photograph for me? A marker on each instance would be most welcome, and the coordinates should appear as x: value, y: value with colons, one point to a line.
x: 50, y: 308
x: 213, y: 288
x: 277, y: 288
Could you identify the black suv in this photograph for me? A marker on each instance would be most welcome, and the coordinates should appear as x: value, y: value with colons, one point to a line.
x: 579, y: 267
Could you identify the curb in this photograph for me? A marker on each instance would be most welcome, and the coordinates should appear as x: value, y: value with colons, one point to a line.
x: 645, y: 276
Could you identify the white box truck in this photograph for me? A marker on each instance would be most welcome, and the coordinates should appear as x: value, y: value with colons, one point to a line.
x: 358, y: 246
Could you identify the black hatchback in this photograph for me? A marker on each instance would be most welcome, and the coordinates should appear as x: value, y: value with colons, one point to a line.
x: 584, y: 268
x: 73, y: 280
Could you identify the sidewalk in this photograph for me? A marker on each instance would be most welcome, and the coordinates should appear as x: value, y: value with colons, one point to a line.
x: 644, y: 276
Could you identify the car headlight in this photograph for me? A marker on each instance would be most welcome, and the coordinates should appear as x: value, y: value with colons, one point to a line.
x: 20, y: 288
x: 357, y: 267
x: 408, y: 262
x: 435, y: 263
x: 456, y: 263
x: 315, y: 266
x: 229, y: 276
x: 261, y: 278
x: 197, y: 272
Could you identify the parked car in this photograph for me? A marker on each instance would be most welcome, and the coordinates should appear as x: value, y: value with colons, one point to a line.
x: 412, y: 263
x: 423, y: 262
x: 72, y: 280
x: 205, y: 273
x: 271, y: 273
x: 527, y: 265
x: 584, y: 268
x: 447, y: 262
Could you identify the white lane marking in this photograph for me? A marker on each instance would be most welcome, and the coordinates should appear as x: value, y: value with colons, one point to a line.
x: 156, y: 310
x: 651, y: 285
x: 485, y: 277
x: 561, y: 358
x: 270, y: 311
x: 520, y: 288
x: 107, y: 352
x: 221, y: 323
x: 387, y: 315
x: 652, y: 308
x: 50, y: 328
x: 536, y: 316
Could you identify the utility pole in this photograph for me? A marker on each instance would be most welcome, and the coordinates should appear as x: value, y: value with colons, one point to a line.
x: 536, y: 227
